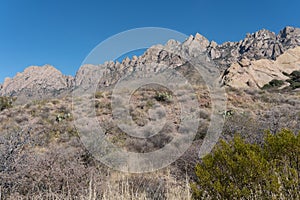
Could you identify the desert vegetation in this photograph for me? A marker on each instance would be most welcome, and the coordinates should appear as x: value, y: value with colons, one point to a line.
x: 6, y: 102
x: 293, y: 82
x: 294, y: 79
x: 241, y: 170
x: 42, y: 157
x: 275, y: 83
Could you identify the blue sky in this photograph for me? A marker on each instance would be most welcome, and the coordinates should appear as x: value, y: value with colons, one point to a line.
x: 62, y: 33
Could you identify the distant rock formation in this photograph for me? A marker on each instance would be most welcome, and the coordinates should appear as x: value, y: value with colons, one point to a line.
x: 37, y: 82
x: 259, y: 45
x: 257, y: 73
x: 251, y: 62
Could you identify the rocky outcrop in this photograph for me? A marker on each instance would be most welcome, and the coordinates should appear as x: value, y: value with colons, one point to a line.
x: 257, y: 73
x: 259, y: 45
x: 250, y: 62
x: 37, y: 82
x: 262, y: 44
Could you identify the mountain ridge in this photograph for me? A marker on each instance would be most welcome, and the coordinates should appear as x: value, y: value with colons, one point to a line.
x: 49, y: 81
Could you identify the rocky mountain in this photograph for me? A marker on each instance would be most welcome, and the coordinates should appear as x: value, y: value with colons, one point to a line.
x: 259, y: 45
x: 251, y: 62
x: 37, y: 82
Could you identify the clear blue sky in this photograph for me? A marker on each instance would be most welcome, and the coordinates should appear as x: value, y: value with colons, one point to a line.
x: 62, y: 33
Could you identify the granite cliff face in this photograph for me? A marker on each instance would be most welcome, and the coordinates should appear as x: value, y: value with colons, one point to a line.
x: 256, y: 73
x: 251, y: 62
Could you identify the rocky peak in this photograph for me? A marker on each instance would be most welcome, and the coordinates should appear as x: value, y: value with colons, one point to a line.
x: 289, y: 32
x: 195, y: 45
x: 262, y: 44
x: 37, y: 82
x: 259, y: 45
x: 172, y: 44
x: 289, y: 37
x: 264, y: 35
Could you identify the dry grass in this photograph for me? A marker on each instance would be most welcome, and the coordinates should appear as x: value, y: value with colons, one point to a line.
x: 120, y: 186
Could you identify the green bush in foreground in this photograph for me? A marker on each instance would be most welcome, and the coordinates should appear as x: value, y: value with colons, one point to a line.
x: 239, y: 170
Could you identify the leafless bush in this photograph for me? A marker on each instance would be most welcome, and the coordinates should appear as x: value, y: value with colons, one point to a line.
x: 26, y: 168
x: 153, y: 143
x: 244, y: 124
x: 281, y: 117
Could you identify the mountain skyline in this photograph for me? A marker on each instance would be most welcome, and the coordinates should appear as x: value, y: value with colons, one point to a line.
x: 141, y: 52
x: 249, y: 63
x: 63, y: 33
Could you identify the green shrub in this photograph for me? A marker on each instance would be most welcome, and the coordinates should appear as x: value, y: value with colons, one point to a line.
x: 275, y: 83
x: 150, y: 104
x: 227, y: 113
x: 163, y: 96
x: 266, y: 86
x: 295, y: 74
x: 239, y: 170
x: 63, y: 116
x: 295, y: 85
x: 99, y: 95
x: 6, y: 102
x: 283, y: 149
x: 294, y: 79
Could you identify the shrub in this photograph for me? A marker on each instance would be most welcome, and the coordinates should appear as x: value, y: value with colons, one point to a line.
x: 295, y: 74
x: 283, y: 149
x: 294, y: 79
x: 163, y: 96
x: 99, y: 95
x: 295, y: 85
x: 62, y: 116
x: 6, y: 102
x: 240, y: 170
x: 227, y: 113
x: 275, y: 83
